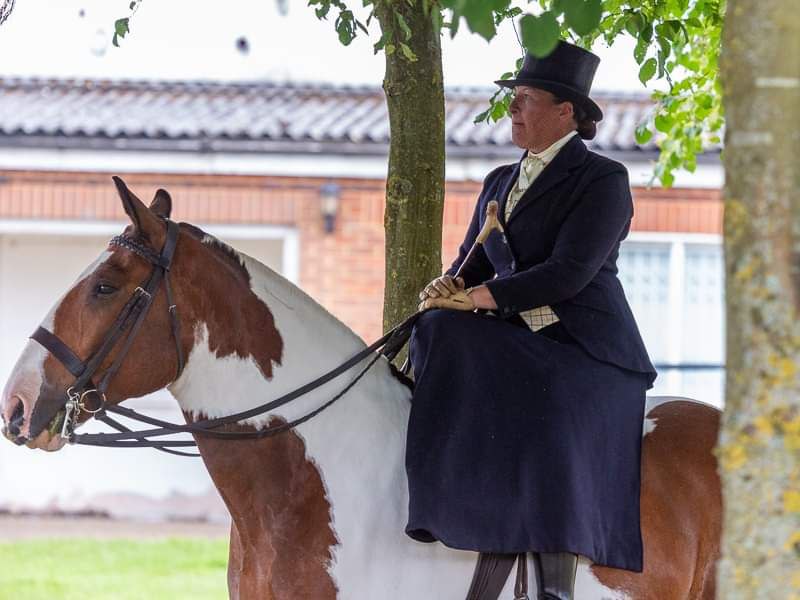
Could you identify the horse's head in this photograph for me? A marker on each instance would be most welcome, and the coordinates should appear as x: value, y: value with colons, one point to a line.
x: 34, y: 399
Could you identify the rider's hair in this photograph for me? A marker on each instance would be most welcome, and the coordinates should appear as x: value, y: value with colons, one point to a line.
x: 587, y: 128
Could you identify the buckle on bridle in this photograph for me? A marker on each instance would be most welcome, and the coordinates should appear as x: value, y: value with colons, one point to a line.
x: 143, y: 292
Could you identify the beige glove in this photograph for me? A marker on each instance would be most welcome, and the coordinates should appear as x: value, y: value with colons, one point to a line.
x: 442, y: 287
x: 459, y: 301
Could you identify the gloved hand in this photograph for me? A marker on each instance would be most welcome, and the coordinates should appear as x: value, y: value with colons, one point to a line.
x: 461, y: 300
x: 442, y: 287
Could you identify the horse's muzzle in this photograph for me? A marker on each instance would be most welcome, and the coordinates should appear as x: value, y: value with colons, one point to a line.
x: 13, y: 423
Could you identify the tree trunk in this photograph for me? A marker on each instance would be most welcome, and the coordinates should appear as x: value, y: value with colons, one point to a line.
x: 415, y: 181
x: 759, y: 447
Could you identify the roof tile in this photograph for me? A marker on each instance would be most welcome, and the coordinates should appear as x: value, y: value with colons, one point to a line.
x: 322, y: 116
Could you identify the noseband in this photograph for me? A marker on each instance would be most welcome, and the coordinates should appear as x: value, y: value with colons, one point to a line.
x: 130, y: 320
x: 84, y: 395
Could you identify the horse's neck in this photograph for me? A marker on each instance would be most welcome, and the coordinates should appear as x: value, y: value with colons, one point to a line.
x: 355, y: 446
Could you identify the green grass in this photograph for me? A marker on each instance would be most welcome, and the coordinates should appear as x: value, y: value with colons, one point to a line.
x: 171, y: 569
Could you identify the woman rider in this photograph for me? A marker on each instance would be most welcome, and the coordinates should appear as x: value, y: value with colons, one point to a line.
x: 526, y: 425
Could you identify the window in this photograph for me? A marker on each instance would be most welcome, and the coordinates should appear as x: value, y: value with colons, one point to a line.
x: 675, y: 285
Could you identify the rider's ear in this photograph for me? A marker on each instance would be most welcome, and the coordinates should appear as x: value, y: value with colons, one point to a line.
x: 161, y: 204
x: 144, y: 222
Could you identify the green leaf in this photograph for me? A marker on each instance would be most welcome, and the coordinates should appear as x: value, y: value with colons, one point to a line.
x: 408, y: 52
x: 664, y: 44
x: 454, y: 22
x: 482, y: 116
x: 646, y: 32
x: 664, y: 122
x: 436, y: 17
x: 403, y: 25
x: 539, y: 34
x: 648, y: 70
x: 390, y: 48
x: 669, y: 29
x: 498, y: 111
x: 121, y: 27
x: 634, y: 24
x: 480, y: 19
x: 640, y: 51
x: 345, y: 36
x: 558, y: 7
x: 643, y: 133
x: 499, y: 5
x: 583, y: 16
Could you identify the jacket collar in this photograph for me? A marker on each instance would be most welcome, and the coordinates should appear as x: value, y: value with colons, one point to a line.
x: 570, y: 157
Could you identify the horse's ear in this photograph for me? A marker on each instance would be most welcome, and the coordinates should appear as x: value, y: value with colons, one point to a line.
x: 144, y: 222
x: 161, y: 204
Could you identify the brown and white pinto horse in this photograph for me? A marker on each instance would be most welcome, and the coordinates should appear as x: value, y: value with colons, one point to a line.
x: 318, y: 512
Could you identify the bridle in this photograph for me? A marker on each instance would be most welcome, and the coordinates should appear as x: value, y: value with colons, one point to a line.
x: 126, y: 326
x: 84, y: 395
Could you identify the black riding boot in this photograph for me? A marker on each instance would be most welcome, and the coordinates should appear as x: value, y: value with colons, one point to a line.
x: 555, y: 574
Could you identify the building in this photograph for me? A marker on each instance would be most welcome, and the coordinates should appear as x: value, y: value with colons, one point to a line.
x: 294, y: 175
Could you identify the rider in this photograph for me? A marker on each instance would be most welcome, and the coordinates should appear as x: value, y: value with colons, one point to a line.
x: 526, y: 424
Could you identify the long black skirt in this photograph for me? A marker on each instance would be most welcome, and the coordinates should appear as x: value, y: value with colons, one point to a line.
x: 521, y: 441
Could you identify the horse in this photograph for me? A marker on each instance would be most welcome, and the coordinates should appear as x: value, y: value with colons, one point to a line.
x: 318, y: 512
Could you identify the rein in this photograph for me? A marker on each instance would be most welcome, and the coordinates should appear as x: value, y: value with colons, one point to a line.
x: 131, y: 318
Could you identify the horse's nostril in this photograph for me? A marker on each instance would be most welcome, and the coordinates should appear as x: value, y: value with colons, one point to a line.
x: 17, y: 417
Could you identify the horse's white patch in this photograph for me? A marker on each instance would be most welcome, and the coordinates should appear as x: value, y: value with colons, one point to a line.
x: 588, y: 586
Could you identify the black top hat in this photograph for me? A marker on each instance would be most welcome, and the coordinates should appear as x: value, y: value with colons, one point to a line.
x: 567, y: 72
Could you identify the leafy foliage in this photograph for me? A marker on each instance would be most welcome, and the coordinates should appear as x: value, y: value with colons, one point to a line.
x: 676, y: 40
x: 122, y: 26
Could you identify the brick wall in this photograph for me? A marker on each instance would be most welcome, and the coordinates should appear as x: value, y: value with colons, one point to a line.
x: 342, y: 270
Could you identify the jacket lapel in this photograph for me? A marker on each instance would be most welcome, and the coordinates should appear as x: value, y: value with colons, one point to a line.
x: 571, y: 156
x: 505, y: 189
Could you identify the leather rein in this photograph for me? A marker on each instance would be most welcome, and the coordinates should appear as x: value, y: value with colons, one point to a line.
x: 86, y: 396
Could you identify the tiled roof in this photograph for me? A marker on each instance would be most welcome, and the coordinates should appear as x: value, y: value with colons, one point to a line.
x: 260, y: 116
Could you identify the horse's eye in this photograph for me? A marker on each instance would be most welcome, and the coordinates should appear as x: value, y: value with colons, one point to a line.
x: 103, y: 289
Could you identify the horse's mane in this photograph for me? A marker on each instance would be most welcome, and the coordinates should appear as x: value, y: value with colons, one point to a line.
x: 227, y: 253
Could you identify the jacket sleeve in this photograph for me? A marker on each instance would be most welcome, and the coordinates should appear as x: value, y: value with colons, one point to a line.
x: 479, y: 268
x: 583, y: 243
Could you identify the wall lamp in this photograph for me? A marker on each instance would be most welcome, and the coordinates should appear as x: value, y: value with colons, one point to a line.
x: 329, y: 195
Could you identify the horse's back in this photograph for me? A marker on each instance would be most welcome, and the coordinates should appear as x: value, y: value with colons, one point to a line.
x: 681, y: 504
